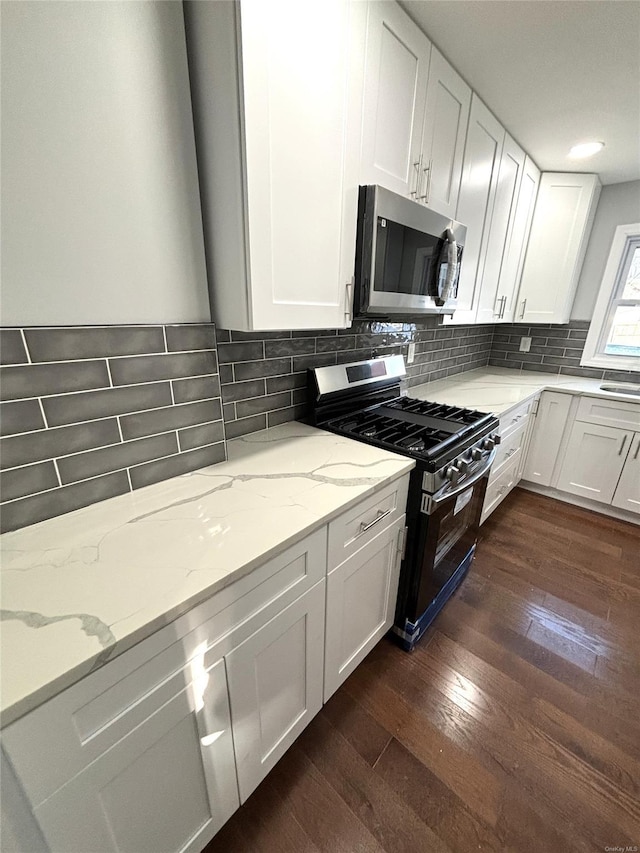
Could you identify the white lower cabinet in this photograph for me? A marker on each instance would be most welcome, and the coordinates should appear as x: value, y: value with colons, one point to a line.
x: 154, y: 751
x: 168, y: 786
x: 594, y: 461
x: 275, y: 684
x: 551, y: 421
x: 361, y: 600
x: 627, y: 493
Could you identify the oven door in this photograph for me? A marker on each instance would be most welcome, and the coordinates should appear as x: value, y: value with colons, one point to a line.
x: 447, y: 530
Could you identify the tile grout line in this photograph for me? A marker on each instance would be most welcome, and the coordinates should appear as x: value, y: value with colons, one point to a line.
x: 109, y: 372
x: 26, y: 348
x: 55, y: 465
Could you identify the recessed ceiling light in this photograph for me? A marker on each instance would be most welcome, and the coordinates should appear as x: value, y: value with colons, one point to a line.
x: 585, y: 149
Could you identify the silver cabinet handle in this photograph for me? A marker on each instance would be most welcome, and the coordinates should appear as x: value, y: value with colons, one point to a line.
x: 635, y: 455
x: 500, y: 303
x: 624, y: 441
x: 381, y: 514
x: 524, y: 305
x: 426, y: 171
x: 504, y: 307
x: 417, y: 166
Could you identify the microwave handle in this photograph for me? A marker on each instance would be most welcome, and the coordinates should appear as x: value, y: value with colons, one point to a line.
x: 449, y: 255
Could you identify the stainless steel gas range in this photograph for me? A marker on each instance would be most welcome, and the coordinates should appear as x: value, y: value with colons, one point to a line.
x: 454, y: 449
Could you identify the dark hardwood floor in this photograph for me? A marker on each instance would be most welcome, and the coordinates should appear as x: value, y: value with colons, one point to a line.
x: 515, y: 726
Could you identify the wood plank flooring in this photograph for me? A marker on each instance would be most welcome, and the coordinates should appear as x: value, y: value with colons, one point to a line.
x: 515, y: 726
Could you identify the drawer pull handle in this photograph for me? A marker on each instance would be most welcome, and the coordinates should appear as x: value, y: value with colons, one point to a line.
x: 516, y: 419
x: 635, y: 455
x: 364, y: 527
x: 512, y: 451
x: 624, y: 441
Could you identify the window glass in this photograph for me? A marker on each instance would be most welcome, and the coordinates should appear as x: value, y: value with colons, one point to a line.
x: 624, y: 336
x: 632, y: 285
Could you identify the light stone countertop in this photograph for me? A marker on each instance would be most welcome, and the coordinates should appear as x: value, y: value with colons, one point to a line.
x: 498, y: 389
x: 83, y: 587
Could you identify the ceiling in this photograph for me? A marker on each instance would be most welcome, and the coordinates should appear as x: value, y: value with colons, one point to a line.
x: 555, y: 73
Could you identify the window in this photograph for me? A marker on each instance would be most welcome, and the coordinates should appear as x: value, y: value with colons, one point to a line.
x: 614, y: 335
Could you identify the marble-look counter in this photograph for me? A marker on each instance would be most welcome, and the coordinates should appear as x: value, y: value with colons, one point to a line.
x: 83, y: 587
x: 498, y: 389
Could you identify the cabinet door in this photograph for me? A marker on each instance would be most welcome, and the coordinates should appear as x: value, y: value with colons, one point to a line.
x: 302, y: 124
x: 548, y: 429
x: 502, y: 223
x: 513, y: 262
x: 396, y: 73
x: 594, y: 461
x: 166, y: 787
x: 275, y: 685
x: 475, y: 203
x: 564, y: 212
x: 361, y: 600
x: 627, y: 493
x: 443, y: 137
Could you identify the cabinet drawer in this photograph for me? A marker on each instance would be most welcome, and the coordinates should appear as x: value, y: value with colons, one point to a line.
x: 509, y: 447
x: 361, y: 523
x: 515, y: 418
x: 54, y: 742
x: 612, y: 413
x: 500, y: 487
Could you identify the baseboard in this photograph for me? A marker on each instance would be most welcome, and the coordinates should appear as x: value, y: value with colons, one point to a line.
x: 585, y: 503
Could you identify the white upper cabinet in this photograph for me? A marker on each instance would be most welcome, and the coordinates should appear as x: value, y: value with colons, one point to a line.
x: 491, y: 302
x: 515, y: 250
x: 396, y: 73
x: 480, y: 172
x: 445, y: 130
x: 416, y: 110
x: 278, y: 125
x: 562, y: 221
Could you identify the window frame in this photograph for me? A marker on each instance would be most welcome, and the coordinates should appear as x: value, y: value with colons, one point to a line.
x: 593, y: 354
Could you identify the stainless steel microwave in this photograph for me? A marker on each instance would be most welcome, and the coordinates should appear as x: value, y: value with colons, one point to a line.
x: 408, y: 257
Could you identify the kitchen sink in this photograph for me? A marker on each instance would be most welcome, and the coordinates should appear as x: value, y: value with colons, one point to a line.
x: 634, y: 390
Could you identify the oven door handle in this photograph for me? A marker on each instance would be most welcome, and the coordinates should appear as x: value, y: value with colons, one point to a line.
x: 431, y: 502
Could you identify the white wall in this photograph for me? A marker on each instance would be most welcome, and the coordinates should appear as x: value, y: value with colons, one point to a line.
x: 619, y: 204
x: 101, y: 218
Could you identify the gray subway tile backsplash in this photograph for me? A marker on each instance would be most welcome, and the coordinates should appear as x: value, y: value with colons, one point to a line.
x: 82, y: 466
x: 199, y: 436
x: 12, y: 349
x: 554, y: 349
x: 187, y: 338
x: 60, y: 344
x: 91, y: 405
x: 89, y: 413
x: 58, y: 441
x: 37, y: 380
x: 126, y: 406
x: 172, y: 466
x: 171, y: 418
x: 20, y: 416
x: 34, y: 508
x: 150, y: 368
x: 28, y: 480
x: 199, y: 388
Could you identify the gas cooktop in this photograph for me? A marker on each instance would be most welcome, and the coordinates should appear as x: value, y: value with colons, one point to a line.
x: 418, y: 428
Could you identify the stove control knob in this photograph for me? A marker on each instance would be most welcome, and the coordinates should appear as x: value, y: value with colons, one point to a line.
x: 496, y: 438
x: 462, y: 465
x: 476, y: 454
x: 452, y: 474
x: 488, y: 443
